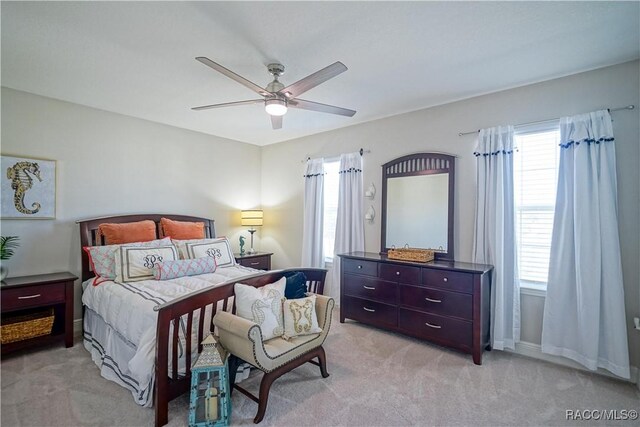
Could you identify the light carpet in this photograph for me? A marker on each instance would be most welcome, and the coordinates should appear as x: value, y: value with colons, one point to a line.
x: 377, y: 378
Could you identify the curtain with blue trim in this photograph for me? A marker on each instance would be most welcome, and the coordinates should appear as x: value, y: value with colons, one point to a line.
x: 350, y: 219
x: 584, y: 315
x: 312, y: 230
x: 495, y: 231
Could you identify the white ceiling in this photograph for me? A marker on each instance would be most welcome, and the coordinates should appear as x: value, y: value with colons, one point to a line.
x: 137, y: 58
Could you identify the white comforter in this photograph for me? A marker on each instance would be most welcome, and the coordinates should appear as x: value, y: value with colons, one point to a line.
x: 128, y: 309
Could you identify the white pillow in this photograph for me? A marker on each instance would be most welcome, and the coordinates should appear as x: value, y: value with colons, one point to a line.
x: 263, y: 306
x: 134, y: 263
x: 220, y: 249
x: 300, y: 317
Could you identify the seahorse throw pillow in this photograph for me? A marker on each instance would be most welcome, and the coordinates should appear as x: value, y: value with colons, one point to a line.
x: 300, y: 317
x: 134, y: 263
x: 263, y: 306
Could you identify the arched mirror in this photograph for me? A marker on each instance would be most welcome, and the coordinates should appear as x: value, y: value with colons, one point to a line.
x: 417, y: 203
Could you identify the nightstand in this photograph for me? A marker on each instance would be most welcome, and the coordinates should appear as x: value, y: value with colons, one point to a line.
x: 258, y: 260
x: 29, y: 294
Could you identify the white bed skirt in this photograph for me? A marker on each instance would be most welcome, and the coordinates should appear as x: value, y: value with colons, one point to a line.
x: 111, y: 352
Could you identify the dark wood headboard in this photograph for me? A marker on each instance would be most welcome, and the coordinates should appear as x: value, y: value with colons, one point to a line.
x: 89, y: 231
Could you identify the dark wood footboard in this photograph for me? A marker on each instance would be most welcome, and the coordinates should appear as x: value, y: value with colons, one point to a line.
x: 168, y: 384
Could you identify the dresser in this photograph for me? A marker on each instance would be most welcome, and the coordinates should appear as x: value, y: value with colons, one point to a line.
x: 447, y: 303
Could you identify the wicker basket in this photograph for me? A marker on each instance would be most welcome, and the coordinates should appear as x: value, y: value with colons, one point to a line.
x: 411, y: 254
x: 18, y: 328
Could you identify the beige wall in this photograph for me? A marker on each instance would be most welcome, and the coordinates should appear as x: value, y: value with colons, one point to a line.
x: 436, y: 129
x: 113, y: 164
x: 109, y: 164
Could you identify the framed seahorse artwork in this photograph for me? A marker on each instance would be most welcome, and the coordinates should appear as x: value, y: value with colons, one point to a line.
x: 28, y: 188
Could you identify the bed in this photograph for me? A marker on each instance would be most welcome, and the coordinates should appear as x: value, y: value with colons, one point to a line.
x: 137, y: 332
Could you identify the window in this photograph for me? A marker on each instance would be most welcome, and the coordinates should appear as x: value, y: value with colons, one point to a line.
x: 536, y: 177
x: 331, y: 179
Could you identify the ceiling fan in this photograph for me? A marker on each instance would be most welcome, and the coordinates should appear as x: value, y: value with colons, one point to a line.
x: 276, y: 97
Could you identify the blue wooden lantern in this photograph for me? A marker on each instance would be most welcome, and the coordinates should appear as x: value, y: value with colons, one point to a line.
x: 210, y: 403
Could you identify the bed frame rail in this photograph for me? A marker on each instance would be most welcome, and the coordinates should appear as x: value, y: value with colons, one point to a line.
x: 182, y: 310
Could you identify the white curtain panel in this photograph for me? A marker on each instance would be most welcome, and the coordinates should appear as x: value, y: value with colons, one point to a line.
x: 584, y: 316
x: 350, y: 220
x: 495, y: 233
x: 312, y: 232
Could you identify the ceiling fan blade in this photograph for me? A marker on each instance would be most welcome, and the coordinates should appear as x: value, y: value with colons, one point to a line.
x: 316, y: 106
x: 313, y: 80
x: 276, y: 122
x: 229, y: 104
x: 219, y: 68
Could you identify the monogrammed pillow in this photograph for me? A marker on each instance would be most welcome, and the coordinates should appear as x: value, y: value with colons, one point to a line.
x: 220, y: 249
x: 103, y: 258
x: 135, y: 263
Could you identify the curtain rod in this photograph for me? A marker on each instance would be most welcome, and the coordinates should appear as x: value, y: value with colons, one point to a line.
x: 628, y: 107
x: 362, y: 152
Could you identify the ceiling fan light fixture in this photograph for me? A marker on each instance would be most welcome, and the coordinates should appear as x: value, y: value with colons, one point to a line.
x: 275, y: 107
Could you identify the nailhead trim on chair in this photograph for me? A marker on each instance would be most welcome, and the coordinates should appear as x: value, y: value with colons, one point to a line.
x: 255, y: 357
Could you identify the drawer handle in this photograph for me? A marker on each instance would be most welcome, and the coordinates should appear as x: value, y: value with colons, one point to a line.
x: 433, y: 300
x: 29, y: 296
x: 445, y: 279
x: 370, y: 310
x: 359, y: 267
x: 371, y: 288
x: 397, y: 273
x: 255, y: 263
x: 433, y: 326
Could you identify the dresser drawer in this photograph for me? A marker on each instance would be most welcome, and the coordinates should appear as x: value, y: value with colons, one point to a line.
x: 437, y: 301
x: 374, y: 313
x: 370, y: 288
x: 32, y: 296
x: 438, y: 328
x: 357, y: 266
x: 400, y: 273
x: 453, y: 280
x: 259, y: 262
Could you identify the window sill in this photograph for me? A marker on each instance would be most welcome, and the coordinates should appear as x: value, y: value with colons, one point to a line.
x: 532, y: 289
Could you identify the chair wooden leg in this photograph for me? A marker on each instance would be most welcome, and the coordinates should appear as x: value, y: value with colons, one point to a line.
x: 265, y: 386
x: 269, y: 378
x: 322, y: 358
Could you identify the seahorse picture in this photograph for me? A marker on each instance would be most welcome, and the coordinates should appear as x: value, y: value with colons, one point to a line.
x: 28, y: 188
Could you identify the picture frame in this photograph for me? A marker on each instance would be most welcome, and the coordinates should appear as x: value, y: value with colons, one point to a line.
x: 28, y: 188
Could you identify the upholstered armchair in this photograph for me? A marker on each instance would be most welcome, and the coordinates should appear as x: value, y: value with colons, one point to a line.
x: 277, y: 356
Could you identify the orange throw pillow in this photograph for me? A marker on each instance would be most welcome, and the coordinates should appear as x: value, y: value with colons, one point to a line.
x: 128, y: 232
x: 182, y: 230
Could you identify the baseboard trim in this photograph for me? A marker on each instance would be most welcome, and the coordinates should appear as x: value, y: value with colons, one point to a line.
x: 534, y: 351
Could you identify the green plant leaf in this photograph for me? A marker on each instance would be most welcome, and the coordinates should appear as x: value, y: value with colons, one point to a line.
x: 7, y: 245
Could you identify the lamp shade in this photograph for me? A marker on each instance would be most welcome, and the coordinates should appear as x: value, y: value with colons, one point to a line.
x: 251, y: 217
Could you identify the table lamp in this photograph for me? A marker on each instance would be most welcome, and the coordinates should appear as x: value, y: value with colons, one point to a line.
x: 251, y: 218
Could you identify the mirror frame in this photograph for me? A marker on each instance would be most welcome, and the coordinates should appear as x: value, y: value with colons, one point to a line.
x: 416, y: 165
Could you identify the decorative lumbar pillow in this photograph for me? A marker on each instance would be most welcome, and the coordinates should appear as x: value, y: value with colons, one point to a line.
x: 184, y: 267
x: 128, y: 232
x: 136, y: 263
x: 102, y: 259
x: 263, y: 306
x: 220, y: 249
x: 296, y: 286
x: 182, y: 229
x: 300, y: 317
